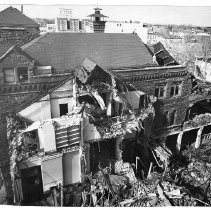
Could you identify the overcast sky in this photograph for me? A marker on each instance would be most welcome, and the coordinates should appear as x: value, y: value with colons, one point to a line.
x: 195, y: 15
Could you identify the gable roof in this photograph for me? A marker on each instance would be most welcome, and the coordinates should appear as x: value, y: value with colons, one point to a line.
x: 65, y: 51
x: 12, y: 17
x: 17, y: 49
x: 15, y: 108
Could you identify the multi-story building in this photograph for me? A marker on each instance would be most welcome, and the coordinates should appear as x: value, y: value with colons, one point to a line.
x: 30, y: 72
x: 36, y: 67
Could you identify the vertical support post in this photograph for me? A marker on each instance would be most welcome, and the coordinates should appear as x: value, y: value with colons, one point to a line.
x: 118, y: 149
x: 179, y: 141
x: 198, y: 137
x: 61, y: 193
x: 87, y: 156
x: 81, y: 147
x: 74, y: 92
x: 137, y: 158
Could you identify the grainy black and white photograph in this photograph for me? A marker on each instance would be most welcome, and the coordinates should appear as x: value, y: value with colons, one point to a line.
x: 105, y: 105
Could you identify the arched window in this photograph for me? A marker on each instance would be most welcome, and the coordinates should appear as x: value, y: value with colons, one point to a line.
x: 173, y: 117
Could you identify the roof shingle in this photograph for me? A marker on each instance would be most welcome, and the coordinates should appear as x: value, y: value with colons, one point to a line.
x: 65, y: 51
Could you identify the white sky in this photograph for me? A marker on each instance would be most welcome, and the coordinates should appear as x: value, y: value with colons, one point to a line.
x: 194, y: 12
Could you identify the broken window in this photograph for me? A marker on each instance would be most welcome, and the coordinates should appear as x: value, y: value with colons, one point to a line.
x: 175, y: 90
x: 63, y: 109
x: 160, y: 92
x: 173, y: 117
x: 9, y: 75
x: 22, y: 73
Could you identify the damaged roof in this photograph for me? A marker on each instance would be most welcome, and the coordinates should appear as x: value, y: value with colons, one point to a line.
x: 65, y: 51
x: 12, y: 17
x: 163, y: 57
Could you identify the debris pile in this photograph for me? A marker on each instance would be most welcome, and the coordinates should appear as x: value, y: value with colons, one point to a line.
x: 185, y: 182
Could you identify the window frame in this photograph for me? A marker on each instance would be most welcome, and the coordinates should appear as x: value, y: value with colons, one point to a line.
x: 173, y: 115
x: 14, y: 74
x: 163, y: 88
x: 62, y: 104
x: 176, y: 88
x: 18, y: 79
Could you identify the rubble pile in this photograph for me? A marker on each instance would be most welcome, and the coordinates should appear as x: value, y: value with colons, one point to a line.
x: 186, y: 182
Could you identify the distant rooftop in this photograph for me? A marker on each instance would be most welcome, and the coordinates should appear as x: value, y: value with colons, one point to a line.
x: 12, y: 17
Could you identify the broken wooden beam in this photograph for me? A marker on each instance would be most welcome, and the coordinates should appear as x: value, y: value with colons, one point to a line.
x: 162, y: 195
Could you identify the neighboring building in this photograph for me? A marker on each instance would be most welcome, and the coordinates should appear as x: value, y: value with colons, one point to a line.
x: 98, y: 21
x: 154, y: 37
x: 49, y: 28
x: 73, y: 25
x: 15, y: 27
x: 66, y: 23
x: 65, y: 13
x: 127, y: 27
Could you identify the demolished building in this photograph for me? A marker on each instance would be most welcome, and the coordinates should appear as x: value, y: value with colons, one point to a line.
x: 86, y: 100
x: 99, y: 117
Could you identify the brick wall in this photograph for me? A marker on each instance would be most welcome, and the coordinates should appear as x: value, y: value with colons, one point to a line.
x: 18, y: 35
x: 147, y: 80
